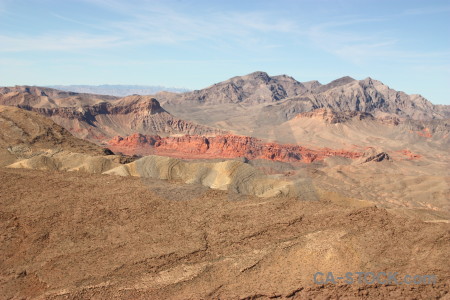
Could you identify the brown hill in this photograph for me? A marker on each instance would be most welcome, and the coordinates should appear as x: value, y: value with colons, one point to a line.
x: 99, y: 118
x: 31, y: 141
x: 327, y: 128
x: 23, y: 133
x: 34, y: 96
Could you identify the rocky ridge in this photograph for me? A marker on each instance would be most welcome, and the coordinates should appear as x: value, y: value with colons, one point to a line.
x: 99, y: 118
x: 333, y: 117
x: 224, y: 146
x: 257, y: 87
x: 36, y: 96
x: 343, y: 94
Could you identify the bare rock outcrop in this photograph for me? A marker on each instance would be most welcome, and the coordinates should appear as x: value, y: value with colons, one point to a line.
x: 221, y: 146
x: 373, y: 155
x: 333, y: 117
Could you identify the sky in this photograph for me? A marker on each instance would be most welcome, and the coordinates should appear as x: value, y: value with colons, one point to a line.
x: 194, y: 44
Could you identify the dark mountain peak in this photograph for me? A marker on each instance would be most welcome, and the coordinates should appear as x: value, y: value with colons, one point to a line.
x: 287, y: 80
x: 368, y: 81
x: 258, y: 76
x: 312, y: 85
x: 345, y: 78
x: 341, y: 81
x: 284, y: 77
x: 139, y: 104
x: 335, y: 83
x: 314, y: 82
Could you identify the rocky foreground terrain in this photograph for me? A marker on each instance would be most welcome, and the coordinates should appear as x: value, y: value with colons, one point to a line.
x: 69, y: 235
x: 242, y: 190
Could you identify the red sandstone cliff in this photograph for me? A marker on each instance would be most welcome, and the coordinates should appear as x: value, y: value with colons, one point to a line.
x: 223, y: 146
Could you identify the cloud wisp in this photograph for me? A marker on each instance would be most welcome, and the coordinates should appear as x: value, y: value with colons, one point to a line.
x: 152, y: 25
x: 56, y: 42
x: 340, y: 39
x: 143, y: 23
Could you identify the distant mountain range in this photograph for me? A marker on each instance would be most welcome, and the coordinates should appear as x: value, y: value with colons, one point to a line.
x: 118, y: 89
x: 292, y: 97
x: 256, y: 105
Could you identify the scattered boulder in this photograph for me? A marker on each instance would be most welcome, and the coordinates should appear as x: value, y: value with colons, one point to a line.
x: 373, y: 155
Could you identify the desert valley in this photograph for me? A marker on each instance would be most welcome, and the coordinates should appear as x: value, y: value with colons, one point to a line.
x: 242, y: 190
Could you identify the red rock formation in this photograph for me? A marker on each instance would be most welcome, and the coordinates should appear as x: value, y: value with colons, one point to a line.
x: 223, y: 146
x: 409, y: 155
x: 425, y: 133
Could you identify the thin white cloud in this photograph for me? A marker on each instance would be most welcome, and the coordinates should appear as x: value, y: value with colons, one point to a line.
x: 74, y: 21
x: 158, y: 22
x: 337, y: 38
x: 155, y: 24
x: 259, y: 21
x: 169, y: 26
x: 57, y: 42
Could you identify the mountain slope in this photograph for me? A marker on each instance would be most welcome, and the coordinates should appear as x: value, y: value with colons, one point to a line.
x: 99, y: 118
x: 343, y: 94
x: 25, y: 134
x: 327, y: 128
x: 21, y: 127
x: 257, y: 87
x: 374, y: 97
x: 46, y: 97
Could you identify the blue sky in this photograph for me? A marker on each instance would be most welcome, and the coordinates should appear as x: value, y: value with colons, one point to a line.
x: 193, y: 44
